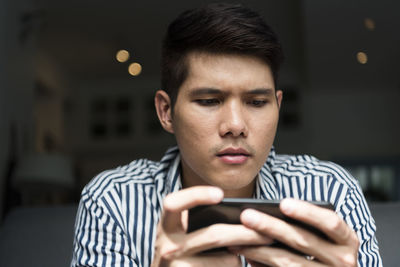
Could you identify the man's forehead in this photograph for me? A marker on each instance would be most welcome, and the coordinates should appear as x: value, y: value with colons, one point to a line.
x: 222, y: 70
x: 203, y: 56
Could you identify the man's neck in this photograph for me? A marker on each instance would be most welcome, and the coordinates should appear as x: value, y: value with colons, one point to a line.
x: 244, y: 192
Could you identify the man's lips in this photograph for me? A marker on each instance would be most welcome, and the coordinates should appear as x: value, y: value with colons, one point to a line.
x: 233, y: 155
x: 233, y: 151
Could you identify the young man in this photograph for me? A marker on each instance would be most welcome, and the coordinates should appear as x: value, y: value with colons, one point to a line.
x: 220, y: 100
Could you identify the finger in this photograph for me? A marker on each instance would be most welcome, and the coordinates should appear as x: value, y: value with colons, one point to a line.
x: 275, y: 257
x: 193, y: 196
x: 185, y: 199
x: 299, y: 238
x: 220, y: 235
x: 324, y: 219
x: 291, y: 235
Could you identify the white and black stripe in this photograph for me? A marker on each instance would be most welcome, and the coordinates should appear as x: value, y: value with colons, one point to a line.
x: 119, y: 209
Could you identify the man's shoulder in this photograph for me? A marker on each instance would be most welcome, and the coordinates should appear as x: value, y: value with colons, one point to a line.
x: 140, y: 171
x: 303, y: 165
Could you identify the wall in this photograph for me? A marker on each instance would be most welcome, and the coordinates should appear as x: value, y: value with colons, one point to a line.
x: 94, y: 155
x: 3, y: 104
x: 17, y: 83
x: 348, y: 110
x: 345, y: 124
x: 49, y: 103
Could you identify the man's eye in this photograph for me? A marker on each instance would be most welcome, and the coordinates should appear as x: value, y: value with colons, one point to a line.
x: 208, y: 101
x: 257, y: 103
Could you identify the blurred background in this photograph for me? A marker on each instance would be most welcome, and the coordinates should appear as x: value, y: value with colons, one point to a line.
x: 77, y: 80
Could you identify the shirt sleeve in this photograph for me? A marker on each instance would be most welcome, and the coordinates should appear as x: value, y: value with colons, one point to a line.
x: 355, y: 212
x: 100, y: 239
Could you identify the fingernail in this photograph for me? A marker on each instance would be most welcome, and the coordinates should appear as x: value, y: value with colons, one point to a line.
x: 250, y: 217
x: 216, y: 194
x: 288, y: 205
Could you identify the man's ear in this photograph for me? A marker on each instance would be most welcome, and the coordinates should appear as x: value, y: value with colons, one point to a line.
x: 279, y: 96
x: 162, y: 102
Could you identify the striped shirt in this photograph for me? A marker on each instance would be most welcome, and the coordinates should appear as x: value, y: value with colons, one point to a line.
x: 119, y: 209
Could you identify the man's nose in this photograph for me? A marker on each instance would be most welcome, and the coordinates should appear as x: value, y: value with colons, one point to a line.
x: 233, y: 120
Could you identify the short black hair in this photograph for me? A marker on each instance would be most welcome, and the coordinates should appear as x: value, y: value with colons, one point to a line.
x: 220, y: 28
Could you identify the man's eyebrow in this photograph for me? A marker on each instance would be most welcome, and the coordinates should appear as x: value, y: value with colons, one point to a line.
x: 261, y: 91
x: 213, y: 91
x: 205, y: 91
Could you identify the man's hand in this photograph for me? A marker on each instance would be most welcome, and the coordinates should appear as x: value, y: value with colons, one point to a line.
x: 340, y: 251
x: 174, y: 247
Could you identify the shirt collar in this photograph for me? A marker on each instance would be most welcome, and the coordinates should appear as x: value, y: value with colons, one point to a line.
x: 271, y: 158
x: 267, y: 185
x: 168, y: 174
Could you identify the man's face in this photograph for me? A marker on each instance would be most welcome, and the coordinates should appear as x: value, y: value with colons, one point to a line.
x: 224, y: 120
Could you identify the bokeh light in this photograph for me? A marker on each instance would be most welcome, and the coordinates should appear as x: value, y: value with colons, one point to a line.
x: 135, y: 69
x: 369, y: 24
x: 122, y: 56
x: 362, y: 57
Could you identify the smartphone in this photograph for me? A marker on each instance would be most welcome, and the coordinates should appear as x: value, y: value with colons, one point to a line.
x: 228, y: 211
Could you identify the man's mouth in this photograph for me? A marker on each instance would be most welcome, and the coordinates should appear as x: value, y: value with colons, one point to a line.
x: 233, y: 155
